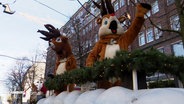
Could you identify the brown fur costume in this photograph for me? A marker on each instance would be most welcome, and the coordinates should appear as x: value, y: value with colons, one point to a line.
x: 113, y: 37
x: 65, y: 59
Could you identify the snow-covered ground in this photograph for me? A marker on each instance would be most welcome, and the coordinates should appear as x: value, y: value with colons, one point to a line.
x: 119, y: 95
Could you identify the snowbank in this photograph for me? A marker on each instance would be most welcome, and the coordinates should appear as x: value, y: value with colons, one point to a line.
x: 119, y: 95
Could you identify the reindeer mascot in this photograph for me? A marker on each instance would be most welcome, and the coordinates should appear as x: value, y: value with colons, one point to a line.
x: 114, y: 38
x: 65, y: 59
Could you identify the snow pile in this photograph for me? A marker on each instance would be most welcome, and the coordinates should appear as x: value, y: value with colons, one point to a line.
x: 59, y: 99
x: 89, y: 97
x: 119, y: 95
x: 71, y: 98
x: 41, y: 101
x: 49, y: 100
x: 160, y: 96
x: 115, y: 95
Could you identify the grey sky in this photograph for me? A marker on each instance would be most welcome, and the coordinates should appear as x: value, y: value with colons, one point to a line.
x: 18, y: 32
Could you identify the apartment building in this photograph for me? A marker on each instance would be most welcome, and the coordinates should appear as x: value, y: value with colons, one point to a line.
x: 50, y: 61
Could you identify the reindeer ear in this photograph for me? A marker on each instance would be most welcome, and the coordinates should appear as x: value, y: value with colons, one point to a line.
x: 122, y: 19
x: 64, y: 39
x: 99, y: 21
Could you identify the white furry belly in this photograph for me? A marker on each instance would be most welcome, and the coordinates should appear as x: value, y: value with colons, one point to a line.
x: 111, y: 50
x: 61, y: 68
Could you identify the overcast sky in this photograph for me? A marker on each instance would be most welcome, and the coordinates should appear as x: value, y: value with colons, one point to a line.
x: 18, y: 32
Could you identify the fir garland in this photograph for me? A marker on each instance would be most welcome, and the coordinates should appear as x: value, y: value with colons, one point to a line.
x: 150, y: 61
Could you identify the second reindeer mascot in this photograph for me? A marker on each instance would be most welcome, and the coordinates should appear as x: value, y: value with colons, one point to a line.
x: 112, y: 38
x: 65, y: 59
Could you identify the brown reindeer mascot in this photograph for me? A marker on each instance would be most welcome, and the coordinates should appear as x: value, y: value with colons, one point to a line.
x: 65, y: 59
x: 114, y: 38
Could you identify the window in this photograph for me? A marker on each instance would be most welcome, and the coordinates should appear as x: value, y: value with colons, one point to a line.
x: 96, y: 11
x: 87, y: 28
x: 90, y: 43
x: 157, y: 32
x: 96, y: 37
x: 128, y: 2
x: 141, y: 39
x: 174, y: 22
x: 90, y: 26
x: 72, y: 30
x: 116, y: 7
x: 148, y: 14
x: 122, y: 2
x: 124, y: 23
x: 83, y: 32
x: 170, y: 2
x: 86, y: 44
x: 96, y: 24
x: 155, y: 7
x: 178, y: 49
x: 149, y: 35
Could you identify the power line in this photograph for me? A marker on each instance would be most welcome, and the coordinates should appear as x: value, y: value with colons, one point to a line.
x: 86, y: 9
x: 24, y: 59
x: 51, y: 8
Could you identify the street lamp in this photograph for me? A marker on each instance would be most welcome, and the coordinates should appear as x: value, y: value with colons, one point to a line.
x: 7, y: 9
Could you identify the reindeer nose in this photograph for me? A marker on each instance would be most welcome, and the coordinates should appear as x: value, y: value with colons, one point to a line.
x: 113, y: 26
x: 51, y: 45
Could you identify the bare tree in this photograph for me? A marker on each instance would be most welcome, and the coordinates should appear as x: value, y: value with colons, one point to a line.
x: 16, y: 76
x: 81, y: 38
x: 34, y: 76
x: 24, y: 72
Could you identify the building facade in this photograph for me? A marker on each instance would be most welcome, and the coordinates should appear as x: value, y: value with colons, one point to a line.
x: 50, y: 62
x: 34, y: 77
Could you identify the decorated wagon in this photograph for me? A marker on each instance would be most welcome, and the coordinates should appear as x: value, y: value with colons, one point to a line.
x: 108, y: 65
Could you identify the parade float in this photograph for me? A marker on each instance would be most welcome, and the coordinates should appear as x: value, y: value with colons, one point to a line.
x: 116, y: 67
x: 109, y: 62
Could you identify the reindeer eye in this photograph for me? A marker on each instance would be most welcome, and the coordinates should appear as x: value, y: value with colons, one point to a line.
x: 58, y: 40
x: 105, y: 22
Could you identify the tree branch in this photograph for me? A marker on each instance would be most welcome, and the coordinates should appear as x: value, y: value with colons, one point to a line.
x: 161, y: 29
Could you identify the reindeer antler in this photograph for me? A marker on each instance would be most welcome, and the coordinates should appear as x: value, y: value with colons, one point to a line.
x: 102, y: 7
x: 110, y: 8
x: 53, y: 32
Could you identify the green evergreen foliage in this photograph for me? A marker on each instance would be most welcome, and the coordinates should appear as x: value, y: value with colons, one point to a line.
x: 150, y: 61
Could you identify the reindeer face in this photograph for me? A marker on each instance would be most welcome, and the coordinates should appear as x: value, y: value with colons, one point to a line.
x: 110, y: 25
x: 59, y: 43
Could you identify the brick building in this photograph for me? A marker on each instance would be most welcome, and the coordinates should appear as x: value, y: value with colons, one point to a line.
x: 50, y: 62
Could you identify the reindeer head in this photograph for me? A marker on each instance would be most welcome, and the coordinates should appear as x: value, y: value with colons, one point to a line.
x: 109, y: 24
x: 57, y: 42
